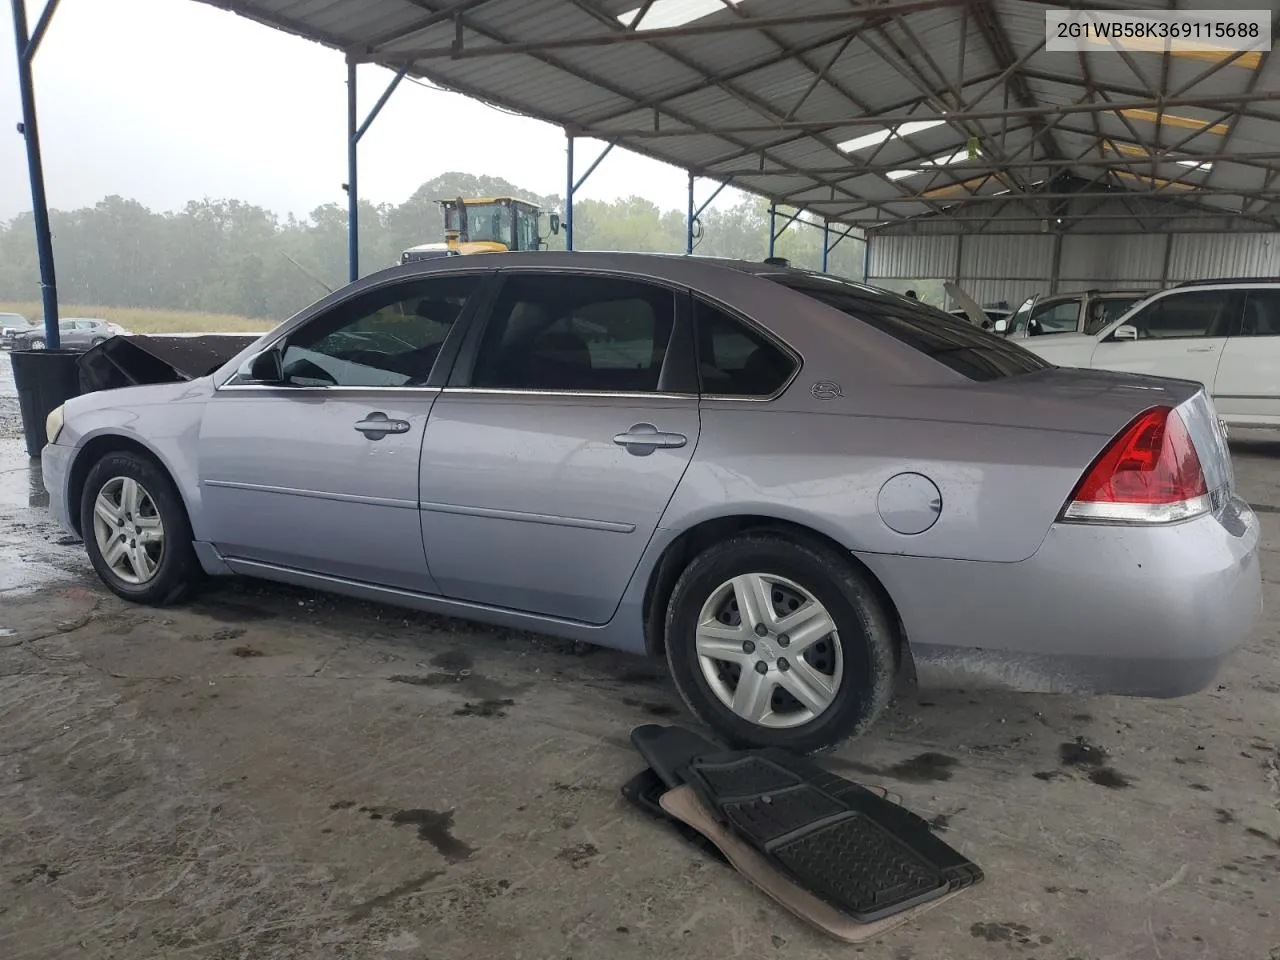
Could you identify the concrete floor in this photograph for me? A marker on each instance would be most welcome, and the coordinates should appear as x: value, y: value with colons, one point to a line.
x: 273, y: 773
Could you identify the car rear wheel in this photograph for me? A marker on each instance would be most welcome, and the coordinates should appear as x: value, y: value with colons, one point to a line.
x: 136, y: 530
x: 97, y: 340
x: 779, y: 642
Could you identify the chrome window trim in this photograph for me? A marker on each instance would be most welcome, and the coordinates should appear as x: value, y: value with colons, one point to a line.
x: 253, y: 387
x: 525, y: 392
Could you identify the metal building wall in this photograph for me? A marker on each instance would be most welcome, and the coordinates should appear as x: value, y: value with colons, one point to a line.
x: 997, y: 264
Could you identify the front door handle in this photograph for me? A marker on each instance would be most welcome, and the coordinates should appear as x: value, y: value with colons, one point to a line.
x: 1208, y: 349
x: 643, y: 438
x: 377, y: 425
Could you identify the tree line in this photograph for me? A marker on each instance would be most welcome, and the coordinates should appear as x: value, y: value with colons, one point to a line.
x: 228, y: 256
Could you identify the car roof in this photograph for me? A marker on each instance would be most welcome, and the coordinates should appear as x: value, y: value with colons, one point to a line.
x: 1229, y: 281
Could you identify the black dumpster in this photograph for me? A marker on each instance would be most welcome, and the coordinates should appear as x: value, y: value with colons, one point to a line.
x: 45, y: 380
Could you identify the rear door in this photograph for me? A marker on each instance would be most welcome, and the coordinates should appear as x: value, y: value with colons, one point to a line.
x: 1180, y: 335
x: 1247, y: 390
x: 552, y: 454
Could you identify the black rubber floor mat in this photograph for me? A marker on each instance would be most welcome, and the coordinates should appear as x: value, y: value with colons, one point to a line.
x: 645, y: 791
x: 669, y: 750
x: 859, y: 852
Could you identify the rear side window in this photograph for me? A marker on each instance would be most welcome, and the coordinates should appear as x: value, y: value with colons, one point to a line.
x: 735, y: 360
x: 956, y: 344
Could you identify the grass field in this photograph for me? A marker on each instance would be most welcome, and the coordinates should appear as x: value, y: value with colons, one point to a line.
x: 140, y: 320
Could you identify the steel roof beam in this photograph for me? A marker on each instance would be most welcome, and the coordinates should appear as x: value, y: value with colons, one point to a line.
x: 504, y: 48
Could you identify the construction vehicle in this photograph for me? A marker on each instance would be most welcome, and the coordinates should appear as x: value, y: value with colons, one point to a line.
x: 486, y: 225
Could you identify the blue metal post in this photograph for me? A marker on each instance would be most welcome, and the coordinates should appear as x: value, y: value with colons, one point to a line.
x: 353, y: 192
x: 27, y: 47
x: 866, y: 257
x: 826, y: 229
x: 568, y: 193
x: 688, y: 227
x: 773, y: 215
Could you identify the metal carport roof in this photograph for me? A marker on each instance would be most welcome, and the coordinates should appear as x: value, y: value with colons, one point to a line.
x: 861, y: 113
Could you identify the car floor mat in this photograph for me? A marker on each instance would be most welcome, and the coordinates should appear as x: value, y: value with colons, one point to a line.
x: 645, y: 790
x: 868, y: 858
x: 669, y: 750
x: 684, y: 804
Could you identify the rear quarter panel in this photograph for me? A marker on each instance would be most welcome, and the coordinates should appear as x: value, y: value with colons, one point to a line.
x: 1001, y: 487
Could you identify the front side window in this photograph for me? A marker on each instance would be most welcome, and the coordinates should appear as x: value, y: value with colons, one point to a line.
x: 386, y: 338
x: 735, y: 360
x: 557, y: 332
x: 1107, y: 310
x: 1060, y: 317
x: 1181, y: 315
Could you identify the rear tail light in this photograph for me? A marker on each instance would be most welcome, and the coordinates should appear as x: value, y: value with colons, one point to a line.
x: 1150, y: 473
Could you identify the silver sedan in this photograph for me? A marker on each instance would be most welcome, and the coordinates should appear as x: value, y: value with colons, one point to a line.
x: 797, y: 489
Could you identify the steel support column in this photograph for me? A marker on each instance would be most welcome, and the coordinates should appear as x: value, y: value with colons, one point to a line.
x: 826, y: 231
x: 27, y: 46
x: 354, y: 135
x: 696, y: 212
x: 573, y: 186
x: 353, y: 191
x: 773, y: 216
x: 568, y: 192
x: 688, y: 225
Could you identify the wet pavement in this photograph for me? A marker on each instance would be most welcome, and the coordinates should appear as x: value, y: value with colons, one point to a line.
x: 272, y: 773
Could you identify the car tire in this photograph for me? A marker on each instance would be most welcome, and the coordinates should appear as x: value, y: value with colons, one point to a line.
x: 97, y: 340
x: 798, y: 577
x: 129, y: 504
x: 37, y: 344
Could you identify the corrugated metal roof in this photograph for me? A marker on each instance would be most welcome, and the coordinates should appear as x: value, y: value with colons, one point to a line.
x: 764, y: 92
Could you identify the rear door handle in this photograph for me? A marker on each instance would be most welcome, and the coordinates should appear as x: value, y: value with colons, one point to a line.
x: 643, y: 438
x: 377, y: 425
x: 1208, y: 349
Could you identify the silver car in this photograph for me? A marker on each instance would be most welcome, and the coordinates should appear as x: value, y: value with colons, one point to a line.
x: 74, y: 333
x: 798, y: 489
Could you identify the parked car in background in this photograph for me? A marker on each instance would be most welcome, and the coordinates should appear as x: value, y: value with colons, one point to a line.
x: 1086, y: 312
x: 1224, y: 335
x: 76, y: 333
x: 798, y: 488
x: 12, y: 324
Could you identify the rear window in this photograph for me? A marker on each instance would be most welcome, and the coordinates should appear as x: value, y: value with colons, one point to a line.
x: 954, y: 343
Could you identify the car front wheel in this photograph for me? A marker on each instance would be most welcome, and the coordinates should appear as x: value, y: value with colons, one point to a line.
x: 136, y: 530
x: 779, y: 642
x: 37, y: 344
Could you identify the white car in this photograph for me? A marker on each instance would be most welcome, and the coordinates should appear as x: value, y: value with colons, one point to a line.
x: 1223, y: 333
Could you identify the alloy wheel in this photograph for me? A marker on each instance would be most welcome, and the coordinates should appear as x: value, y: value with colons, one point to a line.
x: 128, y: 530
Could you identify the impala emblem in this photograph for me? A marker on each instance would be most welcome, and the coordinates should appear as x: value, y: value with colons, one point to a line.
x: 826, y: 390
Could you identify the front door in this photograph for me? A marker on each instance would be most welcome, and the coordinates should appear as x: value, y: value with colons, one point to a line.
x: 551, y: 456
x: 321, y: 473
x: 1179, y: 335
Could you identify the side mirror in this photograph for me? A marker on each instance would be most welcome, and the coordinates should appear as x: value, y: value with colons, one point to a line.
x: 553, y: 220
x: 1002, y: 326
x: 264, y: 368
x: 1126, y: 331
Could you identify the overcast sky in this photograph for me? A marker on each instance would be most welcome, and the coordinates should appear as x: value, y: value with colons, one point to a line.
x: 169, y: 100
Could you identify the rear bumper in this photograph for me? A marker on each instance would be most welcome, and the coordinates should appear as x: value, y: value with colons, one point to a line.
x: 1098, y: 609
